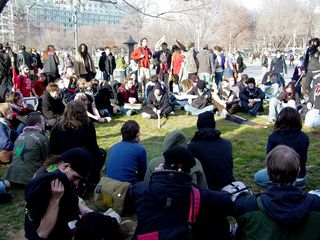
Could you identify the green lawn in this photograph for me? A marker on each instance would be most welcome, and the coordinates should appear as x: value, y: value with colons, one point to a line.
x: 248, y: 153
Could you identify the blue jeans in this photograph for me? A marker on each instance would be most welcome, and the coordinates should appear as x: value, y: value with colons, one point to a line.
x: 218, y: 78
x: 204, y: 76
x: 129, y: 112
x: 195, y: 111
x: 261, y: 178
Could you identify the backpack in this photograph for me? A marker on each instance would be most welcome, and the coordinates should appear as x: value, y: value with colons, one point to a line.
x: 182, y: 232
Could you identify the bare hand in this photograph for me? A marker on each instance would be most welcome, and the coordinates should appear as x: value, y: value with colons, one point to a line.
x: 57, y: 189
x: 142, y: 56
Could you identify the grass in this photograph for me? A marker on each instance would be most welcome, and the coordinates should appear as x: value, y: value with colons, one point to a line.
x: 248, y: 153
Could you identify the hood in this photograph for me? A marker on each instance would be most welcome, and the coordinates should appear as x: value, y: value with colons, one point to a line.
x: 170, y: 188
x: 206, y: 134
x: 205, y: 52
x: 289, y: 206
x: 174, y: 138
x: 290, y: 134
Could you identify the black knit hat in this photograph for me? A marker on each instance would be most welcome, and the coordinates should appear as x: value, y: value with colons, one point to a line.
x: 80, y: 160
x: 178, y: 158
x: 251, y: 80
x: 206, y: 120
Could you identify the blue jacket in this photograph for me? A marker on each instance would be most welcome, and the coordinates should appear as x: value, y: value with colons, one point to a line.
x: 164, y: 202
x: 5, y: 136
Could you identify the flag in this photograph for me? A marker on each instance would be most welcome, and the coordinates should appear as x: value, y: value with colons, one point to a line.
x: 160, y: 41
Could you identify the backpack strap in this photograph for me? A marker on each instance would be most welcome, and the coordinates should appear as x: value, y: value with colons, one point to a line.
x: 194, y: 205
x: 260, y: 204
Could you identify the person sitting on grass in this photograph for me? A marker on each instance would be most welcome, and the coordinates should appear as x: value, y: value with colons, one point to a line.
x: 251, y: 98
x: 201, y: 100
x: 127, y: 160
x: 30, y: 150
x: 157, y: 104
x: 283, y: 211
x: 5, y: 196
x: 52, y: 106
x: 172, y: 139
x: 7, y: 136
x: 162, y: 204
x: 127, y: 93
x: 287, y: 131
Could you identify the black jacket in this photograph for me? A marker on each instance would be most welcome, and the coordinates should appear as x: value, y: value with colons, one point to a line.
x: 295, y: 139
x: 51, y: 107
x: 163, y: 203
x: 248, y: 93
x: 215, y: 155
x: 37, y: 197
x: 107, y: 63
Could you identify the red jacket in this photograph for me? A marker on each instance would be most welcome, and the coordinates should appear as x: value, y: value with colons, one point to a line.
x: 143, y: 62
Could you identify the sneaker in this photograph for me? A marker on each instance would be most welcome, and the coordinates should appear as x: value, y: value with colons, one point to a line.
x: 127, y: 228
x: 171, y: 113
x: 108, y: 119
x: 188, y: 113
x: 145, y: 115
x: 129, y: 112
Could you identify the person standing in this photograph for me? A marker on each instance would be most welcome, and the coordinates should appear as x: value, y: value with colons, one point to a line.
x: 278, y: 64
x: 205, y: 59
x: 107, y: 64
x: 142, y: 56
x: 83, y: 64
x: 163, y: 62
x: 50, y: 64
x: 311, y: 64
x: 23, y: 83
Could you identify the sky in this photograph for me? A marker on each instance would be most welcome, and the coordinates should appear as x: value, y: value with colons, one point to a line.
x: 251, y: 4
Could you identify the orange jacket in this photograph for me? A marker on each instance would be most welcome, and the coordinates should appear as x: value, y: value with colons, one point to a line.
x: 143, y: 62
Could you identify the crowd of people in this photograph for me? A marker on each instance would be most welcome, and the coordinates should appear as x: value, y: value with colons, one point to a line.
x: 189, y: 190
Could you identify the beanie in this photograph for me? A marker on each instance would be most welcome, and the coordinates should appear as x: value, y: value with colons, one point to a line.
x: 206, y: 120
x: 80, y: 160
x: 178, y: 157
x: 251, y: 80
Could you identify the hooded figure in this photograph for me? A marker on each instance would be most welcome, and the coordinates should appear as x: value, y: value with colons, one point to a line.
x: 283, y: 211
x: 163, y: 203
x: 158, y: 100
x: 214, y: 152
x: 172, y: 139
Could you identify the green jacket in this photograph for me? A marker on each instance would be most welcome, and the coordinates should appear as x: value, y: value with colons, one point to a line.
x: 30, y: 151
x: 177, y: 138
x: 280, y: 213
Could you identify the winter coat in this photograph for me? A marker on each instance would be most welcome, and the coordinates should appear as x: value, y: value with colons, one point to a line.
x: 248, y: 93
x: 205, y: 61
x: 37, y: 197
x: 24, y: 58
x: 278, y: 65
x: 215, y: 155
x: 30, y: 151
x: 51, y: 107
x: 5, y: 136
x: 295, y: 139
x: 51, y: 63
x: 164, y: 202
x: 175, y: 138
x: 107, y: 63
x: 145, y: 61
x: 279, y: 213
x: 79, y: 65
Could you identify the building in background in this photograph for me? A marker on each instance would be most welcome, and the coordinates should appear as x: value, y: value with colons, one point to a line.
x: 38, y: 17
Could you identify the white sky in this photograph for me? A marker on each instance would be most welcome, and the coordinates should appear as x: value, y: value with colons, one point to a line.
x: 251, y: 4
